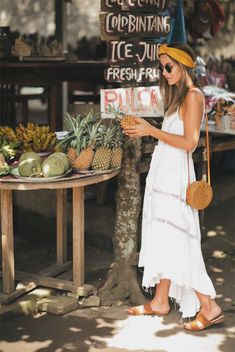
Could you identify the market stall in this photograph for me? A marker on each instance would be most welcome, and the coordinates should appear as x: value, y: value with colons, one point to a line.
x: 49, y: 74
x: 47, y: 278
x: 33, y: 157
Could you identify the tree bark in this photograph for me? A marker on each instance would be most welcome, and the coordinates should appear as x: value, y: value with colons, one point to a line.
x: 122, y: 284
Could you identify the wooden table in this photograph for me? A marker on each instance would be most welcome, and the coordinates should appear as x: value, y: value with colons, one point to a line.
x: 45, y: 278
x: 51, y: 74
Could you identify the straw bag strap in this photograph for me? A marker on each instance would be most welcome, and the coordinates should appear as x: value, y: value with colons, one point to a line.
x: 207, y: 153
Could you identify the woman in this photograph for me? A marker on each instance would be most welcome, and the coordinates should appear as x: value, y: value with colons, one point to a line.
x: 170, y: 249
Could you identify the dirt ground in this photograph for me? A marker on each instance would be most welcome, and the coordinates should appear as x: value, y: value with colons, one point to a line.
x: 109, y: 328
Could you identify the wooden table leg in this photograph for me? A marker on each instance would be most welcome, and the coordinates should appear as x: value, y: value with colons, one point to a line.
x: 78, y: 236
x: 8, y: 267
x: 61, y: 243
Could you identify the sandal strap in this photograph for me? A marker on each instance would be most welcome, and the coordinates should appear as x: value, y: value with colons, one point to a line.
x: 202, y: 319
x: 199, y: 323
x: 148, y: 309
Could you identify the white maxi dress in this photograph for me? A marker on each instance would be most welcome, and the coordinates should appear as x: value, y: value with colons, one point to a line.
x: 171, y: 238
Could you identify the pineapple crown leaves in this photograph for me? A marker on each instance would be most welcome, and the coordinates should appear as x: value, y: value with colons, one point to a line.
x: 82, y: 138
x: 78, y: 123
x: 75, y: 126
x: 107, y: 136
x: 92, y: 131
x: 72, y: 123
x: 115, y: 112
x: 83, y: 131
x: 67, y: 141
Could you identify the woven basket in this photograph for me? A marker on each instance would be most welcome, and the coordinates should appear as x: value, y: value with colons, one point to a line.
x: 199, y: 194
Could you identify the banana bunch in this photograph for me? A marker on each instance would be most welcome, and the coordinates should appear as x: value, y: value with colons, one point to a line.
x: 8, y: 149
x: 36, y: 138
x: 44, y: 141
x: 9, y: 133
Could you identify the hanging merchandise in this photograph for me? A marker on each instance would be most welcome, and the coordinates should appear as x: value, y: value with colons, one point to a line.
x: 178, y: 33
x: 177, y: 24
x: 206, y: 19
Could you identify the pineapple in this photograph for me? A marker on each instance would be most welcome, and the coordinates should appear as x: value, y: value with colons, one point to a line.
x: 69, y: 144
x: 127, y: 121
x: 103, y: 154
x: 117, y: 150
x: 84, y: 159
x: 71, y: 155
x: 81, y: 139
x: 102, y: 159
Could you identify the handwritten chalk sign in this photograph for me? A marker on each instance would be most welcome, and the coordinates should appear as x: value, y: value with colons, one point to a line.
x: 115, y: 25
x: 125, y: 53
x: 152, y: 6
x: 131, y: 74
x: 139, y: 101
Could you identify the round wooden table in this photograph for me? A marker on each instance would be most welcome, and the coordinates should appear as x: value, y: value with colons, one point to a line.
x: 77, y: 183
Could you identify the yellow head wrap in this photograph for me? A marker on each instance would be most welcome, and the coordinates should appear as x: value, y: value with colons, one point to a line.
x: 177, y: 54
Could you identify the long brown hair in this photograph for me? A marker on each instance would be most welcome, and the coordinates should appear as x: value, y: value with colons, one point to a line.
x: 173, y: 96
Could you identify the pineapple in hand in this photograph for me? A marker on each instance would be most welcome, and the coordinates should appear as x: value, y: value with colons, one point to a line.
x: 125, y: 120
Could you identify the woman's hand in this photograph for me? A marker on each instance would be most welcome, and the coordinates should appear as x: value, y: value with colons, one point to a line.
x: 140, y: 129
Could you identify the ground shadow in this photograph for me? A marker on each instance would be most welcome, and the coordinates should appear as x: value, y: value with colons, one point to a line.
x: 50, y: 333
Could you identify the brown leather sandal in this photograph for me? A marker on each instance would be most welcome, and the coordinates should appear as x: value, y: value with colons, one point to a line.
x: 144, y: 309
x: 201, y: 322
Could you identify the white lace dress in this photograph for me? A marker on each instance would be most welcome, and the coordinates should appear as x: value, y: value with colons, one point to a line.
x: 171, y: 238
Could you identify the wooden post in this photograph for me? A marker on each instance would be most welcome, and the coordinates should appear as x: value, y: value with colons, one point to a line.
x: 55, y: 107
x: 8, y: 269
x: 61, y: 222
x: 60, y: 7
x: 78, y: 236
x: 61, y: 22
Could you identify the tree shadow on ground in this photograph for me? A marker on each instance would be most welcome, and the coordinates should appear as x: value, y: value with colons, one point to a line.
x: 225, y: 332
x: 49, y: 333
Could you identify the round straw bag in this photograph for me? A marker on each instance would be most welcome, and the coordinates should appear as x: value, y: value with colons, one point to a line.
x: 199, y: 194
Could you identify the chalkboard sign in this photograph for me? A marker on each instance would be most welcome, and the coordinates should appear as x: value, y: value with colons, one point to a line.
x: 131, y: 74
x: 152, y: 6
x: 116, y: 25
x: 132, y: 29
x: 123, y: 53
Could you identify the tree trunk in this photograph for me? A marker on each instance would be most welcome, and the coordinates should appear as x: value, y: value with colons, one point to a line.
x: 122, y: 284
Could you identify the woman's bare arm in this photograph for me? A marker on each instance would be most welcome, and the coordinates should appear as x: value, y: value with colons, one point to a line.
x: 192, y: 110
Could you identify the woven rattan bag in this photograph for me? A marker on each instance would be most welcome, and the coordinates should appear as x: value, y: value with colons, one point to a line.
x: 199, y: 194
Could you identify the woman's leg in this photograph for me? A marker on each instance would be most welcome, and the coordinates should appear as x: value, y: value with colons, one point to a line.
x: 160, y: 301
x: 209, y: 308
x: 159, y: 304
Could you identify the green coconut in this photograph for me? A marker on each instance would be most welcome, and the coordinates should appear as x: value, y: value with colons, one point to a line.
x: 29, y: 155
x: 62, y: 157
x: 30, y: 167
x: 53, y: 166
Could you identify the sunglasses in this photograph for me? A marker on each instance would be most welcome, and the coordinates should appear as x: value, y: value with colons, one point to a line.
x: 167, y: 67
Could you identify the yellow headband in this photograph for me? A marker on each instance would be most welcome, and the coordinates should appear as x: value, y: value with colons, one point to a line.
x: 177, y: 54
